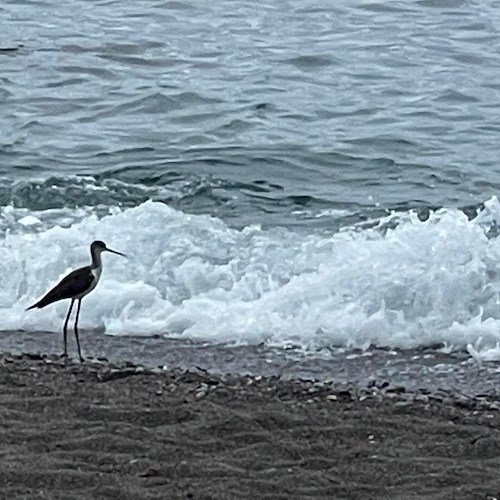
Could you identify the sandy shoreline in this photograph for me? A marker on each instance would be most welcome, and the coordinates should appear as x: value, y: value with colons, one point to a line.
x: 108, y: 431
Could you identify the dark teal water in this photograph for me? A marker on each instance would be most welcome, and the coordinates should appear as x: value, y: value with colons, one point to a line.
x: 250, y: 110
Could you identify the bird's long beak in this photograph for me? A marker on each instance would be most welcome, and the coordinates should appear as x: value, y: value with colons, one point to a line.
x: 114, y: 251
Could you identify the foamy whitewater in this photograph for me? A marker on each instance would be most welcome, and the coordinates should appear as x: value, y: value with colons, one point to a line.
x: 399, y: 282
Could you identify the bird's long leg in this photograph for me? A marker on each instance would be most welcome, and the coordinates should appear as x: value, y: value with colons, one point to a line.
x: 76, y: 331
x: 65, y: 330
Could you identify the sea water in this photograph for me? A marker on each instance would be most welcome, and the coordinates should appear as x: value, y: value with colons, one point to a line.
x: 321, y: 178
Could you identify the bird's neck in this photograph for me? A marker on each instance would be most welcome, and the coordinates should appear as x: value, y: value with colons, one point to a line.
x: 96, y: 260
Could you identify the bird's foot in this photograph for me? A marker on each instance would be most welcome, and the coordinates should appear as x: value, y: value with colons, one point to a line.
x: 64, y: 357
x: 82, y: 359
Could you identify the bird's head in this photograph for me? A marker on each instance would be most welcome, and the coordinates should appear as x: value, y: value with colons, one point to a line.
x: 99, y: 247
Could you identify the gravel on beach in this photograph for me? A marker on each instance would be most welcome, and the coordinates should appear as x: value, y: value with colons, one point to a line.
x: 100, y: 430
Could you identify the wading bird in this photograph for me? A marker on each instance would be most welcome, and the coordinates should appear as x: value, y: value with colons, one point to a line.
x: 75, y: 286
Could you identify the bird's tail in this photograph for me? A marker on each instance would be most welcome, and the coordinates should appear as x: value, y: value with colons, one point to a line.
x: 41, y: 303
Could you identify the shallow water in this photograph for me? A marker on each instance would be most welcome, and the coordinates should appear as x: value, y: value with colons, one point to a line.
x: 409, y: 370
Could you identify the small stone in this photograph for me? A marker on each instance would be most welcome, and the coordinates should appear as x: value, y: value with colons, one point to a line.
x: 201, y: 393
x: 151, y: 472
x: 422, y: 398
x: 436, y: 397
x: 345, y: 395
x: 332, y: 397
x: 402, y: 404
x: 34, y: 356
x: 463, y: 402
x: 392, y: 395
x: 398, y: 389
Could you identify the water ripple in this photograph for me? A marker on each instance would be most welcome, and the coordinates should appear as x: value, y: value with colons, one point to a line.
x: 367, y: 104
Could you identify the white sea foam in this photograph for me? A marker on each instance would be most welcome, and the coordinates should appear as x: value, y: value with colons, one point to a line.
x: 403, y: 283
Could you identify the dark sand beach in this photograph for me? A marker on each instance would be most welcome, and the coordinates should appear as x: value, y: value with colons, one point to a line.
x: 99, y: 430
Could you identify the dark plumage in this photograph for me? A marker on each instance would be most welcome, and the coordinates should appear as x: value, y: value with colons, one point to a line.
x: 75, y: 282
x: 75, y: 286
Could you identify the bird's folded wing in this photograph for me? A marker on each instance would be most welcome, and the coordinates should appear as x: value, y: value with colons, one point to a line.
x: 70, y: 286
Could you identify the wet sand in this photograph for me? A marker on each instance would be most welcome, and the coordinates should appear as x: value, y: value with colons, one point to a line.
x: 124, y: 432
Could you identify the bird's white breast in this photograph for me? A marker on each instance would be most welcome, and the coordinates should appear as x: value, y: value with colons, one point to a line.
x: 97, y: 274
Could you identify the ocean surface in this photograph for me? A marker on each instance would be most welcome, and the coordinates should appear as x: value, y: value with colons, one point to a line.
x: 290, y: 180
